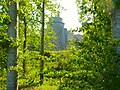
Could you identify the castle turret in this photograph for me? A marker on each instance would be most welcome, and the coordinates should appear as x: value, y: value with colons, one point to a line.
x: 58, y: 27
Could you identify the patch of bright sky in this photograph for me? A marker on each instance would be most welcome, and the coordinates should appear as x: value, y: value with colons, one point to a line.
x: 70, y: 15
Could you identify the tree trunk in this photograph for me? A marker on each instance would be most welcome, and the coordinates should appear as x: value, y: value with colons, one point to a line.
x: 42, y: 44
x: 12, y: 50
x: 116, y: 32
x: 24, y: 46
x: 116, y: 27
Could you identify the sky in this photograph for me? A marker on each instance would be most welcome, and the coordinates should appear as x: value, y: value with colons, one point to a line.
x: 70, y: 15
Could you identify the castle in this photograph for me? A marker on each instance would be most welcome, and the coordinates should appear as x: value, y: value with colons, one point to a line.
x: 63, y: 34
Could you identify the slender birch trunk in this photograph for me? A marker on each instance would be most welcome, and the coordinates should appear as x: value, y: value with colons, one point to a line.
x: 12, y: 50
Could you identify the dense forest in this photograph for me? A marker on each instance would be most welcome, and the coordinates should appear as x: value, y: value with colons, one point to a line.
x: 29, y: 60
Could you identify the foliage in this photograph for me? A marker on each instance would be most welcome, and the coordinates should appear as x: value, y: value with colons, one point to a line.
x: 116, y: 4
x: 30, y: 54
x: 31, y: 10
x: 89, y: 64
x: 4, y: 43
x: 93, y: 66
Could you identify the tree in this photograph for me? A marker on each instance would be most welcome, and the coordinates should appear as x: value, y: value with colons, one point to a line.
x: 96, y: 58
x: 42, y: 43
x: 116, y: 23
x: 30, y: 18
x: 12, y: 50
x: 24, y: 45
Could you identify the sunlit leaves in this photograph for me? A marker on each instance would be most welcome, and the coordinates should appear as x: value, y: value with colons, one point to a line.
x: 96, y: 55
x: 116, y: 3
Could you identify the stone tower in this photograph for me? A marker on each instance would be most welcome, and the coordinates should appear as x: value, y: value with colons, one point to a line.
x: 58, y: 27
x: 66, y: 37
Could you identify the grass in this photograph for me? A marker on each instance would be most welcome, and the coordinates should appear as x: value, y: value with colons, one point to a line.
x: 42, y: 88
x: 33, y: 74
